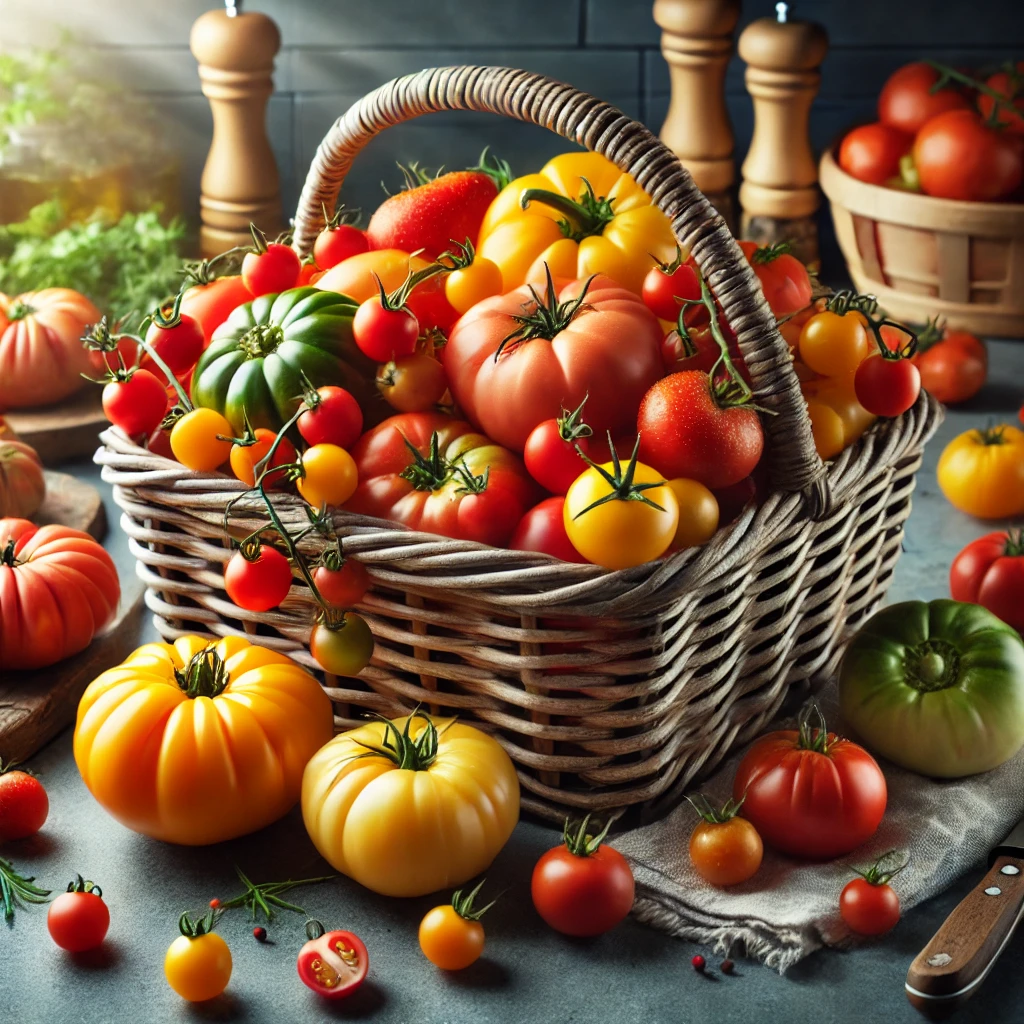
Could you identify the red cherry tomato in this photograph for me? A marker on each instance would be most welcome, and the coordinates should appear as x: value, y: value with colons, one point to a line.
x: 582, y: 887
x: 78, y: 919
x: 384, y: 334
x: 260, y: 584
x: 332, y: 964
x: 179, y: 346
x: 137, y: 405
x: 245, y: 457
x: 343, y: 587
x: 550, y: 452
x: 699, y: 351
x: 276, y: 269
x: 543, y: 529
x: 873, y: 152
x: 23, y: 805
x: 907, y: 101
x: 335, y: 419
x: 784, y: 279
x: 665, y: 288
x: 869, y: 909
x: 954, y: 368
x: 887, y: 387
x: 990, y: 572
x: 335, y: 244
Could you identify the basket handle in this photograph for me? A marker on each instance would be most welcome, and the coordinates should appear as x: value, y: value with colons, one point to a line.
x: 793, y: 462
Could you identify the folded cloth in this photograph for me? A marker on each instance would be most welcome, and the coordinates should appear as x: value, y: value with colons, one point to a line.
x: 790, y: 908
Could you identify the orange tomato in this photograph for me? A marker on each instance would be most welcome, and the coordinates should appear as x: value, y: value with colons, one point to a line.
x: 726, y: 852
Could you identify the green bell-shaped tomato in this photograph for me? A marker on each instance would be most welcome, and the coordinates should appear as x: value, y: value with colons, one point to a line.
x: 936, y: 687
x: 256, y: 358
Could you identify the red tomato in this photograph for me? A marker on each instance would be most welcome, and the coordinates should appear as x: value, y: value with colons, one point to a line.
x: 24, y: 805
x: 954, y: 369
x: 275, y: 269
x: 873, y: 152
x: 686, y: 432
x: 959, y: 157
x: 159, y: 443
x: 383, y: 333
x: 333, y: 418
x: 543, y: 529
x: 1010, y: 85
x: 335, y: 244
x: 665, y: 286
x: 212, y: 303
x: 907, y: 101
x: 784, y: 279
x: 78, y: 919
x: 809, y: 793
x: 342, y: 587
x: 332, y: 964
x: 550, y: 452
x: 179, y: 346
x: 463, y: 485
x: 885, y: 386
x: 245, y: 457
x: 869, y: 909
x: 582, y: 887
x: 136, y: 405
x: 990, y: 572
x: 607, y: 347
x: 258, y: 584
x: 699, y: 352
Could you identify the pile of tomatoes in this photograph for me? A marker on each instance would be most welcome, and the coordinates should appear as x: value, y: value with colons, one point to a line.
x: 944, y: 133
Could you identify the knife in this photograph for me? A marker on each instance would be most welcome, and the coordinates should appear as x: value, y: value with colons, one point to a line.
x: 949, y: 970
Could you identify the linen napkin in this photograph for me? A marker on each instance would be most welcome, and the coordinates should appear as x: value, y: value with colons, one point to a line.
x: 790, y: 908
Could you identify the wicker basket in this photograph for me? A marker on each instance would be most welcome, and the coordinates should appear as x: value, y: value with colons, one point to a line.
x: 609, y: 690
x: 923, y: 256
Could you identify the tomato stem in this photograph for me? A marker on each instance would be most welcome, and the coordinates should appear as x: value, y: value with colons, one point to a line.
x: 194, y: 928
x: 401, y: 749
x: 549, y: 316
x: 948, y: 74
x: 205, y: 675
x: 463, y: 905
x: 498, y: 170
x: 1014, y: 543
x: 764, y: 254
x: 578, y: 841
x: 78, y: 885
x: 814, y: 737
x: 7, y: 558
x: 340, y: 216
x: 879, y: 873
x: 716, y: 815
x: 846, y: 301
x: 622, y: 486
x: 571, y: 426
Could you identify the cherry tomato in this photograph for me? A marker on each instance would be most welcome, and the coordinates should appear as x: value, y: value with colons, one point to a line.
x: 332, y: 964
x: 698, y: 513
x: 244, y: 458
x: 827, y: 429
x: 24, y: 804
x: 543, y: 529
x: 201, y: 440
x: 179, y: 346
x: 412, y: 383
x: 335, y: 418
x: 307, y: 272
x: 198, y: 962
x: 582, y: 887
x: 345, y: 649
x: 699, y: 351
x: 258, y: 584
x: 451, y: 935
x: 784, y: 279
x: 136, y: 404
x: 467, y: 286
x: 953, y: 369
x: 868, y: 904
x: 550, y: 452
x: 990, y: 572
x: 1010, y: 84
x: 342, y: 587
x: 275, y: 269
x: 873, y: 152
x: 382, y: 333
x: 335, y: 244
x: 887, y: 387
x: 78, y: 919
x: 725, y: 849
x: 665, y: 288
x: 329, y: 475
x: 833, y: 345
x: 907, y: 100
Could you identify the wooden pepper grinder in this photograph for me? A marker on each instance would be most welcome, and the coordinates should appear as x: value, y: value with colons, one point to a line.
x: 236, y: 51
x: 779, y: 193
x: 697, y: 42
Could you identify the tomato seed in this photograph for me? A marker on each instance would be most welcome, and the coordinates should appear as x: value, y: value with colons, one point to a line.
x: 259, y: 934
x: 699, y: 963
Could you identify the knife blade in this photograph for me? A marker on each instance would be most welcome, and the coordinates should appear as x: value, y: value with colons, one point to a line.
x: 949, y: 970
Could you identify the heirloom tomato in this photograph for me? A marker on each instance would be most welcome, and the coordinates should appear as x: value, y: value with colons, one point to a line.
x: 810, y: 793
x: 332, y: 416
x: 451, y: 935
x: 136, y: 402
x: 24, y: 804
x: 909, y: 98
x: 198, y: 963
x: 516, y: 360
x: 583, y: 887
x: 936, y: 687
x: 78, y: 919
x: 580, y: 215
x: 990, y: 572
x: 432, y: 473
x: 201, y: 440
x: 783, y: 278
x: 342, y: 645
x: 333, y: 964
x: 543, y: 529
x: 412, y: 383
x: 410, y: 806
x: 868, y: 904
x: 873, y: 152
x: 212, y: 302
x: 725, y: 849
x: 197, y: 742
x: 257, y: 577
x: 981, y: 472
x: 248, y: 453
x: 255, y: 363
x: 22, y: 484
x: 58, y: 589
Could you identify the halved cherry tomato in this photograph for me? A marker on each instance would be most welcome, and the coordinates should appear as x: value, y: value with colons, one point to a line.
x: 245, y: 457
x: 542, y: 528
x: 329, y: 475
x: 333, y: 417
x: 258, y: 580
x: 201, y: 440
x: 333, y: 964
x: 343, y: 648
x: 78, y: 919
x: 137, y: 404
x: 342, y: 587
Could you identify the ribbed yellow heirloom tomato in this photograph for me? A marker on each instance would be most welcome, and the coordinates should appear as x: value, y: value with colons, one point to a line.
x: 195, y: 742
x: 981, y: 472
x: 410, y: 806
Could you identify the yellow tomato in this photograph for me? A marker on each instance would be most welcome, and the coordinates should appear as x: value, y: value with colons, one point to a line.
x: 329, y: 475
x: 198, y: 968
x: 197, y: 440
x: 356, y: 278
x: 625, y: 530
x: 407, y: 831
x: 698, y: 513
x: 981, y: 472
x: 450, y: 941
x: 614, y: 231
x: 826, y: 428
x: 840, y: 395
x: 199, y: 742
x: 466, y: 287
x: 834, y: 345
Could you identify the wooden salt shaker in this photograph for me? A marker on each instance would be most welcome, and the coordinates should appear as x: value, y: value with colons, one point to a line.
x: 779, y: 193
x: 697, y: 42
x: 236, y: 51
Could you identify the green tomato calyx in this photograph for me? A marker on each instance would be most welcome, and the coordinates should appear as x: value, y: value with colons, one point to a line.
x: 80, y: 885
x: 885, y: 868
x: 463, y: 904
x: 1014, y: 544
x: 260, y: 340
x: 932, y: 665
x: 548, y: 317
x: 194, y: 928
x: 814, y: 735
x: 205, y: 675
x: 581, y: 843
x: 716, y: 815
x: 622, y: 485
x: 399, y: 747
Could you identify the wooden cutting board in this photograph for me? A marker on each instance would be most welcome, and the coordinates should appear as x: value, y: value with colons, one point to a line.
x: 64, y: 431
x: 72, y: 502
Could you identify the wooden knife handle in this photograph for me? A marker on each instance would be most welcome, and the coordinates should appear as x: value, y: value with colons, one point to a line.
x: 949, y: 969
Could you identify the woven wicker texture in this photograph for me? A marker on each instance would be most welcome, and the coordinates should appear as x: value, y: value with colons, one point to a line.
x: 609, y: 690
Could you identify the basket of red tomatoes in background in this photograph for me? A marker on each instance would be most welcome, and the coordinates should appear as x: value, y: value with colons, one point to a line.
x: 552, y: 454
x: 928, y: 202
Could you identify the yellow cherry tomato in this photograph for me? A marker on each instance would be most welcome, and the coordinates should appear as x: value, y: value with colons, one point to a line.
x: 329, y: 475
x: 981, y: 472
x: 198, y: 968
x: 840, y: 395
x: 698, y: 513
x: 827, y: 429
x: 833, y: 345
x: 613, y: 527
x: 196, y: 440
x: 467, y: 286
x: 451, y: 935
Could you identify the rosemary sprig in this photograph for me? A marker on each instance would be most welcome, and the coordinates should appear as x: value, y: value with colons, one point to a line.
x: 17, y: 891
x: 265, y: 896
